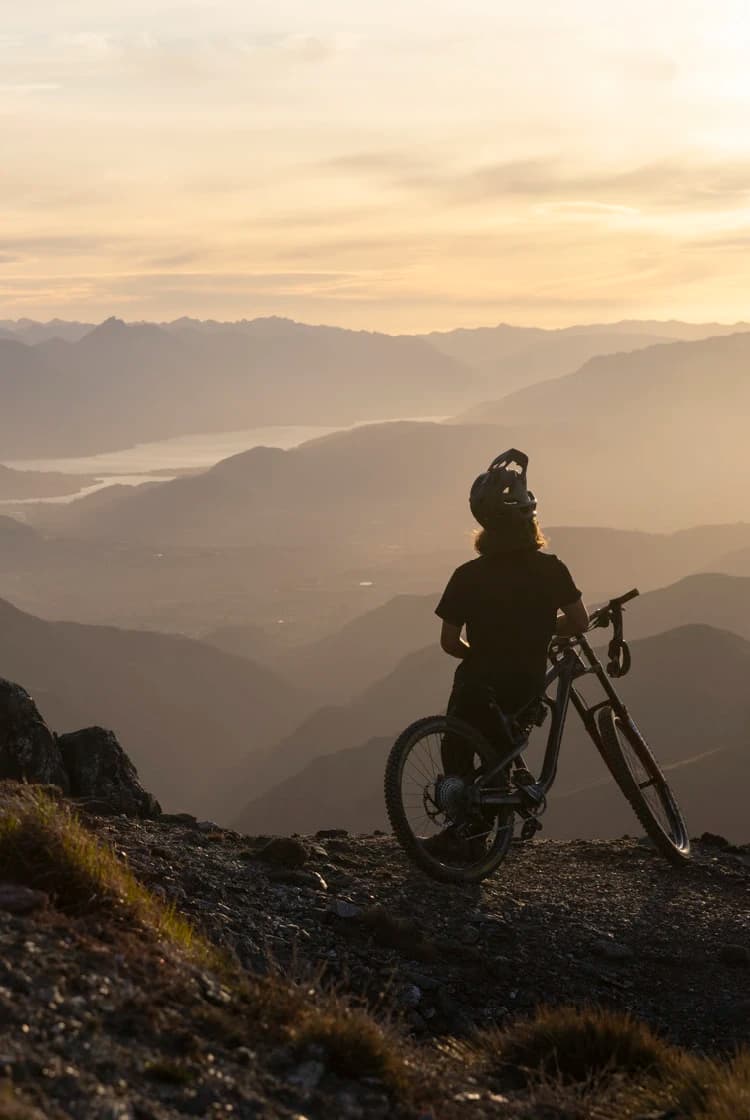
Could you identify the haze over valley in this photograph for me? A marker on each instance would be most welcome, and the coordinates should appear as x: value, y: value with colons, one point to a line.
x: 300, y: 578
x: 293, y: 298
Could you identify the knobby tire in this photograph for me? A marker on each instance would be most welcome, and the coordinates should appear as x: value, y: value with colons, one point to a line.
x: 674, y: 844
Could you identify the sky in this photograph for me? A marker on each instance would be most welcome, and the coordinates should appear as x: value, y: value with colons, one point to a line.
x: 398, y: 166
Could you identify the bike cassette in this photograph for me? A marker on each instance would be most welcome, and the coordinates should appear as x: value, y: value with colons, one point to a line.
x: 530, y: 828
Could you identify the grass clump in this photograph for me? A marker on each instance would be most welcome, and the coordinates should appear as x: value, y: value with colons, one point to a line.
x: 43, y: 845
x: 596, y: 1063
x: 354, y: 1043
x: 714, y: 1090
x: 575, y: 1045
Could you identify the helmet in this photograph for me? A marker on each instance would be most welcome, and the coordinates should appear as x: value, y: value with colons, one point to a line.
x: 500, y: 493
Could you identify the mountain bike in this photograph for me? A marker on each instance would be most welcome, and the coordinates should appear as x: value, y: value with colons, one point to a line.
x: 459, y: 828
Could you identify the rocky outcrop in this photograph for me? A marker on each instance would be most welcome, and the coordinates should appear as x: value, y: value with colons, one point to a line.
x: 102, y: 775
x: 28, y: 750
x: 89, y: 765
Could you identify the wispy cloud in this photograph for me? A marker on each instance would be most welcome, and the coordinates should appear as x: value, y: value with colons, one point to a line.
x: 24, y: 89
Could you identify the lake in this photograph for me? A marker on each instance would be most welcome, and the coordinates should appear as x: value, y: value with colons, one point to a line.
x: 166, y: 458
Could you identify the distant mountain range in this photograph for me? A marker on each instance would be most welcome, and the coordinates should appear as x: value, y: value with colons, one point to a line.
x: 687, y: 691
x: 654, y: 457
x: 21, y: 485
x: 126, y: 383
x: 70, y: 388
x: 185, y: 712
x: 668, y: 385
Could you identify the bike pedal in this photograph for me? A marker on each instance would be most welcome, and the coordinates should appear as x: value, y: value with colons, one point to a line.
x: 530, y: 828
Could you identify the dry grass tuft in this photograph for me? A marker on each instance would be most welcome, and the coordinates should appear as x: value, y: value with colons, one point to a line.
x: 602, y: 1065
x: 575, y: 1046
x: 355, y: 1044
x: 578, y: 1044
x: 714, y: 1090
x: 43, y: 845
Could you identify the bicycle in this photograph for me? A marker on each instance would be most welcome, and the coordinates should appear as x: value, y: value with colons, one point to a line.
x: 476, y: 812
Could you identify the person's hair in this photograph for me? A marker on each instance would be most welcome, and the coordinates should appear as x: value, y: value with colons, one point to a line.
x: 516, y: 536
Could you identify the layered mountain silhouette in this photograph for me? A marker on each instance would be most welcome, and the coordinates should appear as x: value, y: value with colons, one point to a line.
x: 630, y: 440
x: 687, y: 692
x: 337, y: 667
x: 125, y: 383
x: 68, y: 388
x: 517, y: 359
x: 681, y: 382
x: 184, y: 711
x: 32, y: 331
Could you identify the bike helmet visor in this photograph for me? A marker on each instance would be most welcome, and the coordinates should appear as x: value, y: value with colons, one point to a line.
x: 500, y: 493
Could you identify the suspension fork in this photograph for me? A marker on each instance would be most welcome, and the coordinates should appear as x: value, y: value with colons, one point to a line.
x: 588, y: 712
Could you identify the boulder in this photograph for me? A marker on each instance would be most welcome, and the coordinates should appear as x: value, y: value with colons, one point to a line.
x: 28, y: 751
x: 102, y: 776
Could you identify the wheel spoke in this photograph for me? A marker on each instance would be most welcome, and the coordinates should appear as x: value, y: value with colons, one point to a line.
x: 420, y: 769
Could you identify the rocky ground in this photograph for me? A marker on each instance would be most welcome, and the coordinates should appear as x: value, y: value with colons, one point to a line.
x: 101, y: 1025
x: 559, y: 922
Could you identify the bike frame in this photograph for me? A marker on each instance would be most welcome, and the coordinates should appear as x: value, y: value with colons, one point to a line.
x: 571, y: 659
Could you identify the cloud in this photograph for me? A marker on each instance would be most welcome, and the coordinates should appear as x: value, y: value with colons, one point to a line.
x: 733, y: 240
x: 585, y: 209
x: 668, y: 184
x: 59, y: 244
x: 385, y: 162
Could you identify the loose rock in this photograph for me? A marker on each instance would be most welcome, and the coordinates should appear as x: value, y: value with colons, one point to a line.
x: 16, y: 899
x: 102, y: 775
x: 28, y: 751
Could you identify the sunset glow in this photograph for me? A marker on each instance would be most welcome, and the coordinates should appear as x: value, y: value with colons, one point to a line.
x: 392, y: 166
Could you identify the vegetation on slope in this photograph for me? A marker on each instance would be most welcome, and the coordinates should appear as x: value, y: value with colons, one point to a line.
x: 570, y: 1063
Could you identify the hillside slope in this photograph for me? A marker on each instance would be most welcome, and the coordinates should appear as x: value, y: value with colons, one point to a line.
x: 687, y: 691
x: 174, y: 971
x: 335, y: 668
x: 184, y: 711
x: 691, y: 383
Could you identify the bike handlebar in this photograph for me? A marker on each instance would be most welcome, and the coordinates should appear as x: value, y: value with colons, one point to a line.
x: 603, y: 616
x: 621, y: 599
x: 611, y: 614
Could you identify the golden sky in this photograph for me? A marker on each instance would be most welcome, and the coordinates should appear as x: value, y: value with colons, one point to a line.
x: 399, y: 165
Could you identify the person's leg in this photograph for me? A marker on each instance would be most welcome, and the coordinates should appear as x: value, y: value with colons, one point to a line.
x: 467, y: 703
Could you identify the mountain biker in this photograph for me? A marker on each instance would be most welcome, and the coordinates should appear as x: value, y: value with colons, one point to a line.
x: 508, y: 599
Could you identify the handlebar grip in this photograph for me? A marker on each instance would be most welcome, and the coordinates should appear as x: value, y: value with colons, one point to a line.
x: 621, y: 599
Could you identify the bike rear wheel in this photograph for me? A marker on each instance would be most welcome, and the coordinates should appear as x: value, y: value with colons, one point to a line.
x: 432, y: 815
x: 640, y: 778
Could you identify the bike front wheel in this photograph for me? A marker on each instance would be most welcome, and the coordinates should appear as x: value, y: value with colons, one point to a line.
x: 433, y: 814
x: 640, y: 778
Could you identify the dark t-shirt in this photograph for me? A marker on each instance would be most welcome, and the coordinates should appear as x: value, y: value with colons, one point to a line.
x: 508, y: 603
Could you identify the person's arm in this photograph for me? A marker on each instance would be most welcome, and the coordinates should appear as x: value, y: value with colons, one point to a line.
x: 574, y: 620
x: 451, y: 640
